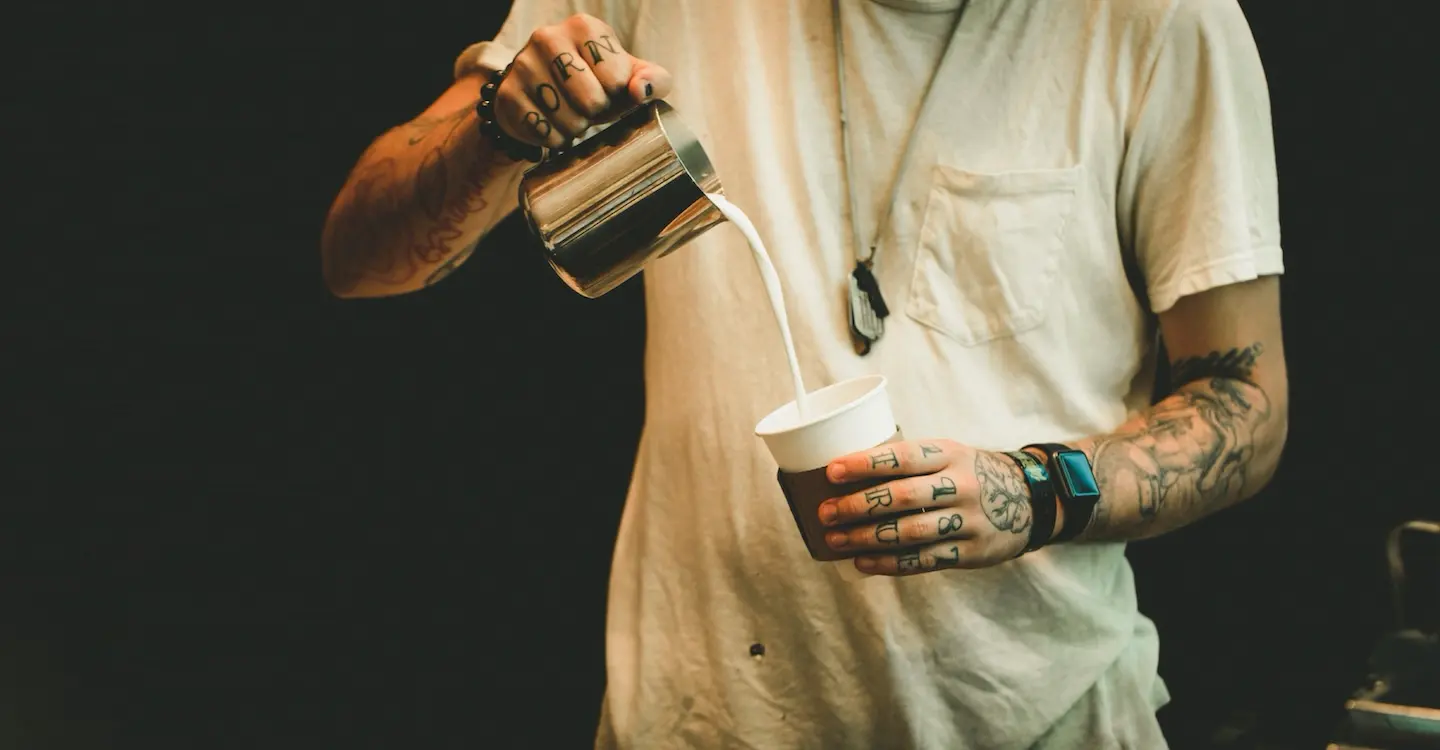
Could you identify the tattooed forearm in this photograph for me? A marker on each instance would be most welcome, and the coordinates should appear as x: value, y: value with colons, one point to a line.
x: 1236, y: 364
x: 1207, y: 445
x: 419, y: 129
x: 448, y: 267
x: 411, y: 208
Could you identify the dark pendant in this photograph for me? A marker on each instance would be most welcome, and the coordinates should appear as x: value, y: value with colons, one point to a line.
x: 867, y: 308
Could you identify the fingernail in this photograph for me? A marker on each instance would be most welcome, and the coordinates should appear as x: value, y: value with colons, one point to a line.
x: 649, y: 89
x: 865, y: 564
x: 837, y: 539
x: 828, y: 512
x: 836, y: 472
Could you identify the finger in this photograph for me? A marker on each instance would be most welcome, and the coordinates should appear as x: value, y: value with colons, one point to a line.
x: 521, y: 118
x: 908, y: 531
x: 894, y: 460
x: 599, y: 48
x: 566, y: 69
x: 954, y: 554
x: 899, y: 496
x: 559, y: 81
x: 649, y: 82
x: 550, y: 99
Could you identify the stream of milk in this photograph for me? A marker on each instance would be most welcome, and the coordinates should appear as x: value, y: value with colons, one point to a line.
x: 772, y: 288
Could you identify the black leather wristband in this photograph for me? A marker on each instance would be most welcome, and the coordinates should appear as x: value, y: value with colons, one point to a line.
x: 1075, y: 485
x: 485, y: 111
x: 1042, y: 499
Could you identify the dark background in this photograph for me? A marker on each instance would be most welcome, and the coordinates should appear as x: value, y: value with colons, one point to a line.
x: 240, y: 514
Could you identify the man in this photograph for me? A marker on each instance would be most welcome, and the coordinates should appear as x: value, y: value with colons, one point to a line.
x: 1081, y: 173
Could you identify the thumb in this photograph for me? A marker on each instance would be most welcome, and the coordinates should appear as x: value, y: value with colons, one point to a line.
x: 649, y: 82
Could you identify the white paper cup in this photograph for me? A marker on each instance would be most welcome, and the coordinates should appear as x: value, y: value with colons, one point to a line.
x: 849, y: 416
x: 852, y: 415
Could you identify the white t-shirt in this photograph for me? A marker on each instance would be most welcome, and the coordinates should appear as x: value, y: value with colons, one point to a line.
x: 1067, y: 141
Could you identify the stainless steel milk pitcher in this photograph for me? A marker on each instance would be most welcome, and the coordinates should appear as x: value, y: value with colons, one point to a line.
x: 625, y: 196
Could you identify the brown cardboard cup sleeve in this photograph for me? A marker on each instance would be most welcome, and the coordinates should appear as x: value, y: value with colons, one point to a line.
x: 804, y: 491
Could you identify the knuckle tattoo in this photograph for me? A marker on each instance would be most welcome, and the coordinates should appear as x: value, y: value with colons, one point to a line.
x: 877, y: 498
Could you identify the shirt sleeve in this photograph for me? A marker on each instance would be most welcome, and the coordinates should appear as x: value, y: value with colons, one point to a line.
x: 528, y: 15
x: 1198, y: 198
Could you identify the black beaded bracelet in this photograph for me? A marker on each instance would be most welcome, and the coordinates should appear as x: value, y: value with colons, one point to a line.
x: 1042, y: 499
x: 485, y: 110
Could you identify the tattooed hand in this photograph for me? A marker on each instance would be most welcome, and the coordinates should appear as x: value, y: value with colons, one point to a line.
x: 950, y: 506
x: 569, y: 77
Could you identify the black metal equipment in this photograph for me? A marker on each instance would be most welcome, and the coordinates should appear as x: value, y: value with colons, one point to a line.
x: 1399, y: 708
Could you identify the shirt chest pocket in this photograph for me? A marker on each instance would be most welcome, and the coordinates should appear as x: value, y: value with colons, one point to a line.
x: 989, y: 249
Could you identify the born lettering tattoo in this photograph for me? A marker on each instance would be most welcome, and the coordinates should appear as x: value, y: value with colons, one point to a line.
x: 888, y: 532
x: 1190, y: 454
x: 945, y: 488
x: 547, y: 97
x: 594, y: 46
x: 927, y: 449
x: 877, y: 498
x: 950, y: 524
x: 887, y: 458
x: 909, y: 562
x: 1003, y: 493
x: 564, y: 63
x: 539, y: 124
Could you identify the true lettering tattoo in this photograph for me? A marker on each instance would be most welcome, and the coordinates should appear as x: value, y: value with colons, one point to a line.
x: 1192, y: 451
x: 927, y: 449
x: 401, y: 213
x: 950, y: 524
x: 878, y: 498
x: 547, y: 97
x: 950, y: 561
x: 945, y: 488
x: 888, y: 532
x: 564, y: 63
x: 594, y: 46
x: 908, y: 562
x: 1003, y: 493
x: 886, y: 458
x: 539, y: 124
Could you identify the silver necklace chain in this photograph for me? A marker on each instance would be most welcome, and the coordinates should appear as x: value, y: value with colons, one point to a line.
x: 868, y: 308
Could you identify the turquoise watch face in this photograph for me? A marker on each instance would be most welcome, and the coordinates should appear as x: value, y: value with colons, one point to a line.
x: 1075, y: 472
